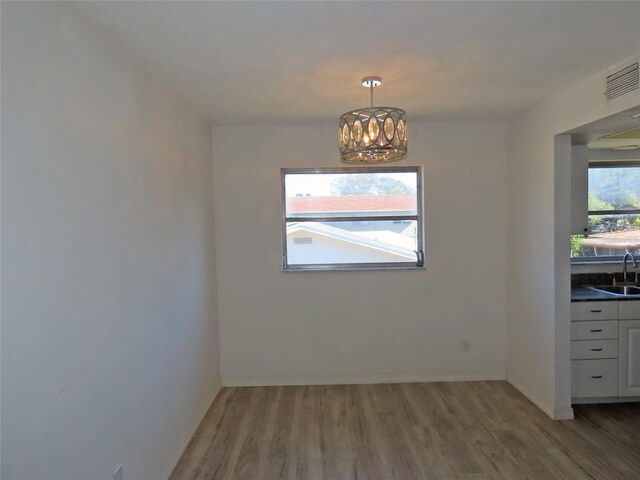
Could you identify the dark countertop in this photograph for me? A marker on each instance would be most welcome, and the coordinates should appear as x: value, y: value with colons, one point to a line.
x: 582, y: 294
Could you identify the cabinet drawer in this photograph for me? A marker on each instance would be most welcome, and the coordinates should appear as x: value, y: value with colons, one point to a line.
x: 594, y: 378
x: 594, y: 310
x: 605, y: 330
x: 586, y: 349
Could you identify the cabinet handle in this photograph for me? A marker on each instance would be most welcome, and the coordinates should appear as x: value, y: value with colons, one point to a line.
x: 596, y: 349
x: 596, y: 330
x: 596, y: 376
x: 595, y: 311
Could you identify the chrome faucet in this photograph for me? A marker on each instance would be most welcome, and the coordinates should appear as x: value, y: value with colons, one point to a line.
x: 624, y: 265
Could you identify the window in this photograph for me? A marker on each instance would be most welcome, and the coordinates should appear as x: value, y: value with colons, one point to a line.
x: 352, y: 218
x: 614, y: 213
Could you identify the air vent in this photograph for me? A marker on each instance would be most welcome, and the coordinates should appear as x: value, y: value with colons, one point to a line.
x: 622, y: 82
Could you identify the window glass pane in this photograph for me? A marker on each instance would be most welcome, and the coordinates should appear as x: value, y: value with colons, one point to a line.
x: 347, y: 242
x: 334, y: 218
x: 611, y: 235
x: 611, y: 188
x: 616, y: 188
x: 350, y: 194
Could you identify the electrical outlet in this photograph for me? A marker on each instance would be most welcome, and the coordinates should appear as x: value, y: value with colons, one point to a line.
x: 117, y: 475
x: 466, y: 346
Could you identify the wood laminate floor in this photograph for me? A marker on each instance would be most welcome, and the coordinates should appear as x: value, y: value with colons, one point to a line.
x: 460, y: 430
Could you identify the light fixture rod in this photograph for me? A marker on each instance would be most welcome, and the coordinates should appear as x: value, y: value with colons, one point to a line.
x: 371, y: 83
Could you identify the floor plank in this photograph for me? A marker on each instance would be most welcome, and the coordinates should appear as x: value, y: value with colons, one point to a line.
x: 434, y: 431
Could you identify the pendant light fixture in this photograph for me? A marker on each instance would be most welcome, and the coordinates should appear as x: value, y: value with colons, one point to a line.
x: 374, y: 134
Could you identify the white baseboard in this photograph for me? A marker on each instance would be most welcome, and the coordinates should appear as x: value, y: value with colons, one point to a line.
x: 561, y: 413
x: 590, y: 400
x: 361, y: 379
x: 184, y: 442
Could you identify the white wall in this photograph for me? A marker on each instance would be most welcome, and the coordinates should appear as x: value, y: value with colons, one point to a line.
x: 316, y: 327
x: 538, y: 357
x: 109, y: 330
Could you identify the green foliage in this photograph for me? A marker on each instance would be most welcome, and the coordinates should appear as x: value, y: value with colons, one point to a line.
x: 369, y: 184
x: 618, y: 186
x: 596, y: 204
x: 629, y: 201
x: 576, y: 245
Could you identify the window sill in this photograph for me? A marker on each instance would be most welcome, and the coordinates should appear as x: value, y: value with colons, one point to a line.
x: 349, y: 269
x: 602, y: 262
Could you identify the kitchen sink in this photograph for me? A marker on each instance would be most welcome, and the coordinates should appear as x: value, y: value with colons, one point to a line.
x: 620, y: 290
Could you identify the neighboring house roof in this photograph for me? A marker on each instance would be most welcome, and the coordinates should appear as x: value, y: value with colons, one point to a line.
x: 351, y: 203
x: 627, y: 239
x: 388, y: 242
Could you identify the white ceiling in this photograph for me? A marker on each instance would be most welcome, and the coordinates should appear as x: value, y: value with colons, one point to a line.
x: 286, y: 62
x: 592, y: 134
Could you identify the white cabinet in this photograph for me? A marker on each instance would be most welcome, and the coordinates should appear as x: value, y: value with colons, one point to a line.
x: 594, y: 378
x: 629, y: 379
x: 600, y: 330
x: 594, y: 311
x: 605, y: 350
x: 594, y: 349
x: 591, y: 349
x: 629, y: 310
x: 579, y: 188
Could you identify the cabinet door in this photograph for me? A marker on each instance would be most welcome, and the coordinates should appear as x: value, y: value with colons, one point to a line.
x: 629, y: 383
x: 579, y: 189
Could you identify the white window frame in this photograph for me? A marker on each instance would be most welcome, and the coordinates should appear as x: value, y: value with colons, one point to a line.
x: 608, y: 258
x: 419, y: 262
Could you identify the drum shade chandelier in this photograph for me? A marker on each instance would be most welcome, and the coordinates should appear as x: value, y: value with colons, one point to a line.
x: 374, y: 134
